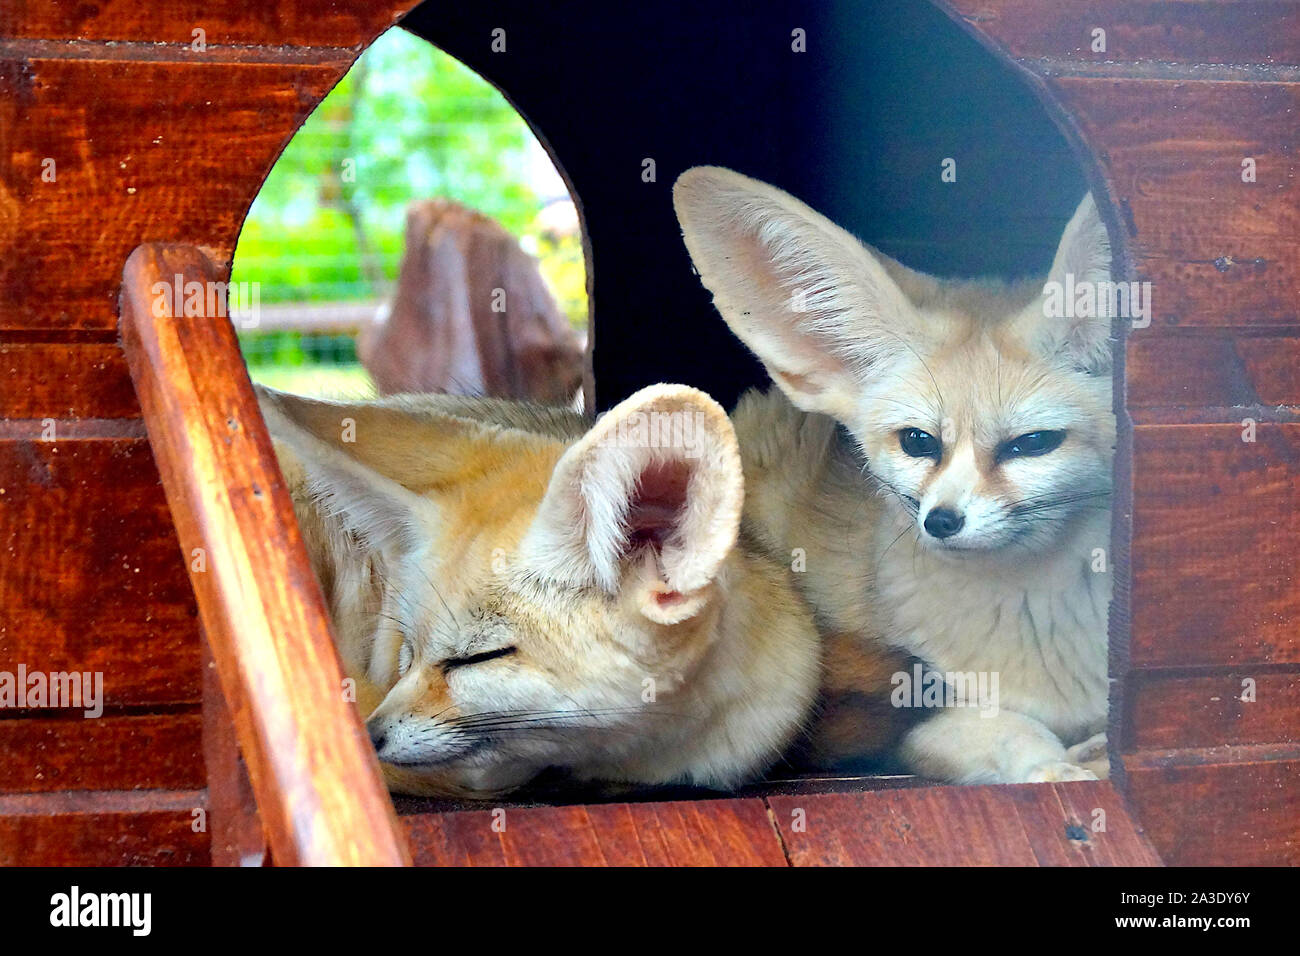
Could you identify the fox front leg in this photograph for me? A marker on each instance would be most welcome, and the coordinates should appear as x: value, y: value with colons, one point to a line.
x: 1092, y: 755
x: 966, y: 745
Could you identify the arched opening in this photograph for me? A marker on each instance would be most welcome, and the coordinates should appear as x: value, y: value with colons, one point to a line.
x: 414, y: 216
x: 959, y: 172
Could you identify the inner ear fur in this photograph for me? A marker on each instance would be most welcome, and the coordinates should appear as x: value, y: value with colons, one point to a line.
x: 623, y: 487
x: 815, y: 304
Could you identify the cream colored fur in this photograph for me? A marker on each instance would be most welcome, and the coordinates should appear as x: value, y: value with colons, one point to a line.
x: 851, y: 336
x: 648, y: 647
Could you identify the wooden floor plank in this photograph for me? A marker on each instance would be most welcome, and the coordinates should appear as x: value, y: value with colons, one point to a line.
x: 1107, y: 834
x: 731, y: 832
x: 1028, y: 825
x: 904, y: 828
x: 1041, y: 813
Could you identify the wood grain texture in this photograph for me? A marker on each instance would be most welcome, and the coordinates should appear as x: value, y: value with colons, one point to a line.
x: 104, y: 828
x: 1025, y: 825
x: 237, y: 835
x: 1219, y: 252
x: 112, y: 752
x: 1180, y: 710
x: 114, y: 129
x: 91, y: 578
x: 327, y: 23
x: 155, y: 142
x: 733, y: 832
x: 1219, y: 807
x: 312, y: 768
x: 65, y: 381
x: 1189, y: 31
x: 1220, y: 369
x: 1216, y: 546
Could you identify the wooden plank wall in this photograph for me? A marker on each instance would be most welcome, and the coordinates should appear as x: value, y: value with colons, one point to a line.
x: 149, y: 139
x: 91, y: 577
x: 1209, y: 601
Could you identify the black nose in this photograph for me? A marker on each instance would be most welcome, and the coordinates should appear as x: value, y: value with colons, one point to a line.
x: 943, y: 522
x: 378, y: 737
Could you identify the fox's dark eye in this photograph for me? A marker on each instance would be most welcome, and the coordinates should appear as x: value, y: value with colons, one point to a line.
x: 919, y: 444
x: 454, y: 662
x: 1034, y: 443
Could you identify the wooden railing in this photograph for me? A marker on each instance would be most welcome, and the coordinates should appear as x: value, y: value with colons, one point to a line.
x: 314, y: 776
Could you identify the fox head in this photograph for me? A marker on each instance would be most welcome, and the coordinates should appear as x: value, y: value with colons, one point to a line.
x: 542, y: 600
x: 985, y: 420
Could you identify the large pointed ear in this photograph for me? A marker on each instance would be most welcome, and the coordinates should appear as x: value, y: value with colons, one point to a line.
x: 811, y: 301
x: 379, y: 511
x: 659, y: 474
x: 421, y: 443
x: 1083, y: 261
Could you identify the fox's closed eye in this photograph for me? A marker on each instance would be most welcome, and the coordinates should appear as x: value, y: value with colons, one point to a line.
x: 453, y: 662
x: 919, y: 444
x: 1030, y: 445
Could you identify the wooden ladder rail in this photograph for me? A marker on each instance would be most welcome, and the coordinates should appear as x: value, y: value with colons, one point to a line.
x: 314, y: 775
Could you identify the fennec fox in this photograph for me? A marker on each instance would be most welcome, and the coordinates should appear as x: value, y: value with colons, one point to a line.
x: 962, y: 512
x: 514, y: 589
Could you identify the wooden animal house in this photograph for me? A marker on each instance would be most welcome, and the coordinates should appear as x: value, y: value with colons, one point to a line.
x: 146, y: 534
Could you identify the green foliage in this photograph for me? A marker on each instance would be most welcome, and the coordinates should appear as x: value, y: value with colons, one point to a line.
x: 564, y: 268
x: 406, y: 122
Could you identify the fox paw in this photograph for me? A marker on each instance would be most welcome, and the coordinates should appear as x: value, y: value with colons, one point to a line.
x: 1091, y: 754
x: 1058, y: 771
